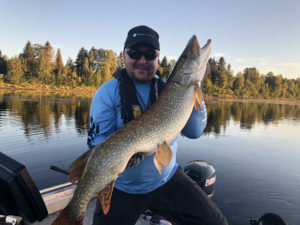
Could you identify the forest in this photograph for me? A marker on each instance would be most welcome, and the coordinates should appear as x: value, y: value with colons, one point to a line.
x: 39, y: 66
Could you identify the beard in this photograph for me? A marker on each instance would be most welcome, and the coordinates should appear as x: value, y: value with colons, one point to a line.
x: 144, y: 79
x: 144, y: 76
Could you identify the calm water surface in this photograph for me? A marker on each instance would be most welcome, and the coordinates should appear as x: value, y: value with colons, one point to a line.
x: 255, y: 148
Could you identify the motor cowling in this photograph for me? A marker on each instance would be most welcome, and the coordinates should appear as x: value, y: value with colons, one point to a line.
x: 203, y: 173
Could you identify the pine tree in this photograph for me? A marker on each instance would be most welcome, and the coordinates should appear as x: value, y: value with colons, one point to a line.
x: 3, y: 64
x: 166, y: 68
x: 87, y: 73
x: 230, y: 78
x: 81, y: 56
x: 29, y: 56
x: 213, y: 70
x: 120, y: 61
x: 59, y: 68
x: 222, y: 80
x: 91, y: 57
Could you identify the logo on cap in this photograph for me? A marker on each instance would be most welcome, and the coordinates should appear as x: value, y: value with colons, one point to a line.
x: 147, y: 35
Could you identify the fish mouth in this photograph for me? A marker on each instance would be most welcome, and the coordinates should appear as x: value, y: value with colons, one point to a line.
x: 193, y: 49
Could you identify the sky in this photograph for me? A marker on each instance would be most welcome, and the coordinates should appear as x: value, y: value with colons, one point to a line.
x: 248, y: 33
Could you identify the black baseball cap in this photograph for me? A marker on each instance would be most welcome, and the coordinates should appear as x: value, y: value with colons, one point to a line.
x: 142, y: 34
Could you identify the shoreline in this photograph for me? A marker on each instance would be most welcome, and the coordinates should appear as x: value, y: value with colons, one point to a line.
x: 267, y: 100
x: 91, y: 91
x: 87, y: 90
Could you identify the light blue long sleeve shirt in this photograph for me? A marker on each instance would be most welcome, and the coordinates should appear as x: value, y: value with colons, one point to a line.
x: 105, y: 119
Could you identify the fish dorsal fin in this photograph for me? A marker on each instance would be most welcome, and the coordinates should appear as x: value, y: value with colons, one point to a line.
x: 163, y: 156
x: 136, y: 111
x: 105, y: 197
x: 77, y: 167
x: 198, y: 102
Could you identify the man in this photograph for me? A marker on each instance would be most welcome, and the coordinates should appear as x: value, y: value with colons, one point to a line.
x: 172, y: 194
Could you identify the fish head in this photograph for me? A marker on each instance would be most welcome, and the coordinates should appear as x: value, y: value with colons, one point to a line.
x: 192, y: 63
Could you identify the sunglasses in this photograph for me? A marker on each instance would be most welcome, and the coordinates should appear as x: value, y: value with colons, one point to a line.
x: 137, y: 54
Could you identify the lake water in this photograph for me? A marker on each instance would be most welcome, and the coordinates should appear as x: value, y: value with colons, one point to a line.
x: 255, y: 148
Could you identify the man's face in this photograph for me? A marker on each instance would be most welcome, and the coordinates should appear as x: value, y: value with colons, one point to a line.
x: 140, y: 70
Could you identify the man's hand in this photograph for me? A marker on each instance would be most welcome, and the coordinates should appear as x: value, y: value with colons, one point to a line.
x: 135, y: 159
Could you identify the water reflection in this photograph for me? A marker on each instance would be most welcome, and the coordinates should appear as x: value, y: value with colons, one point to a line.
x: 247, y: 114
x: 257, y: 155
x: 40, y: 113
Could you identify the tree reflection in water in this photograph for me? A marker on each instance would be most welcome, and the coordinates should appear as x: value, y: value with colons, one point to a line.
x: 40, y: 112
x: 247, y: 114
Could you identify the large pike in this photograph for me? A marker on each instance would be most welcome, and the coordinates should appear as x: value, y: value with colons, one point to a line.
x: 151, y: 132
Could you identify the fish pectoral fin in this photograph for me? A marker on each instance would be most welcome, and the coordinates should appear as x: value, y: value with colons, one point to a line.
x: 105, y: 197
x: 77, y: 167
x: 136, y: 111
x: 163, y: 156
x: 198, y: 102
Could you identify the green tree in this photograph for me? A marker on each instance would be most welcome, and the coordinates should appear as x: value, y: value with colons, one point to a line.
x: 15, y: 73
x: 252, y: 75
x: 3, y: 64
x: 222, y: 77
x: 238, y: 84
x: 166, y: 68
x: 87, y: 73
x: 81, y: 56
x: 120, y: 61
x: 29, y: 55
x: 291, y: 91
x: 59, y: 68
x: 230, y: 77
x: 213, y: 70
x: 91, y: 57
x: 278, y: 87
x: 252, y: 82
x: 72, y: 79
x: 105, y: 63
x: 298, y: 87
x: 45, y: 65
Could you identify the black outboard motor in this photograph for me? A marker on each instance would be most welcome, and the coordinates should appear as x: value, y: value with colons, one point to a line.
x: 19, y: 195
x: 203, y: 173
x: 269, y: 219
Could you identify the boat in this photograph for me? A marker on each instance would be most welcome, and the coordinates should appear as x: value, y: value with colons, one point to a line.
x: 22, y: 203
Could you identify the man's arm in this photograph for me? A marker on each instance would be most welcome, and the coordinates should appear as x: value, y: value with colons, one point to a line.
x: 196, y: 123
x: 103, y: 114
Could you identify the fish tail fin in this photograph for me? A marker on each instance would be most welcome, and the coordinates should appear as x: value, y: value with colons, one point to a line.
x: 63, y: 218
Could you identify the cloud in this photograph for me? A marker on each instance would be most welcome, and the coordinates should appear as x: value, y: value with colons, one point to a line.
x: 239, y: 60
x: 219, y: 54
x: 289, y: 64
x: 262, y: 62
